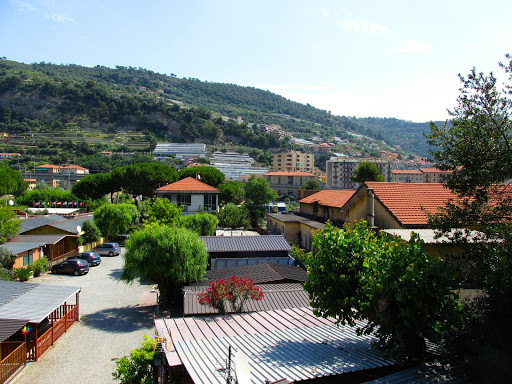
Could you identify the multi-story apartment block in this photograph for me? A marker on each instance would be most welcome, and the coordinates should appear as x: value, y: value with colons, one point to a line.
x: 288, y: 183
x: 339, y: 170
x: 293, y: 162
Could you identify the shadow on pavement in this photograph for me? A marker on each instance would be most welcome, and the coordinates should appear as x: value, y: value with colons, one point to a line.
x: 115, y: 273
x: 120, y: 320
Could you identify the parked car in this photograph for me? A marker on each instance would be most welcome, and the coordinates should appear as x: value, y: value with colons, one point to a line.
x: 92, y: 258
x: 120, y: 239
x: 107, y: 249
x: 72, y: 266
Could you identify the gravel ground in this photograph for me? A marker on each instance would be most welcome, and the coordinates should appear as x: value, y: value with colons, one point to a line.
x: 114, y: 317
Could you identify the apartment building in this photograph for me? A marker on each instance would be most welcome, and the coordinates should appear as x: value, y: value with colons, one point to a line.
x: 293, y: 162
x: 422, y: 175
x: 288, y: 183
x: 339, y: 170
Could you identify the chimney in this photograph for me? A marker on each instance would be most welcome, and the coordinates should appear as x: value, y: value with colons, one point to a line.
x: 370, y: 207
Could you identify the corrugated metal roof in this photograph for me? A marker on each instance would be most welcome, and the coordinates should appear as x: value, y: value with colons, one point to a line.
x: 34, y: 304
x: 39, y: 239
x: 231, y: 262
x: 9, y: 327
x: 295, y: 354
x: 246, y: 243
x: 70, y: 225
x: 12, y: 289
x: 428, y: 373
x: 36, y: 222
x: 17, y: 248
x: 258, y: 273
x: 275, y: 296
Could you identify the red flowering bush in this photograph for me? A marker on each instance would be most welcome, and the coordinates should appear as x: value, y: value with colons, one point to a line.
x: 235, y: 290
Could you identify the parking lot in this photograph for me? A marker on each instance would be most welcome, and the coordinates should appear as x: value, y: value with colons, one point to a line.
x: 114, y: 317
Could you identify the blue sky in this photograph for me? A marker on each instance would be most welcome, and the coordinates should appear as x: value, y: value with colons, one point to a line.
x: 361, y: 58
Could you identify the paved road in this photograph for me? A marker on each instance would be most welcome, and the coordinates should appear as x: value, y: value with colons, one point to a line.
x: 114, y: 318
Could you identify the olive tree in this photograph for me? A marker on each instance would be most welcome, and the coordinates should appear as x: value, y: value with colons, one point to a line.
x: 167, y: 256
x: 403, y: 295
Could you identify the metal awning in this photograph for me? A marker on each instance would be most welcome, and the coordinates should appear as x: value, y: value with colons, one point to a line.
x: 35, y: 304
x: 9, y: 327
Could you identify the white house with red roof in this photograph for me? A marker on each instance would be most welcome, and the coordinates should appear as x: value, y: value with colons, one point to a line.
x: 194, y: 195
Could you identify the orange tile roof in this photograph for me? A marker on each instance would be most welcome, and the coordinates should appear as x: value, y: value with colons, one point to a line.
x: 330, y: 197
x: 74, y: 167
x: 188, y: 184
x: 432, y: 170
x: 400, y: 171
x: 406, y: 201
x: 285, y: 173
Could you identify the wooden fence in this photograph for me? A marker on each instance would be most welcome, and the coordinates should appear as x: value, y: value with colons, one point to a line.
x: 67, y: 316
x: 14, y: 360
x: 61, y: 258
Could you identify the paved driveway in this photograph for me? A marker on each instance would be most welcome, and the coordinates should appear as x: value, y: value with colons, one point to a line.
x: 114, y: 318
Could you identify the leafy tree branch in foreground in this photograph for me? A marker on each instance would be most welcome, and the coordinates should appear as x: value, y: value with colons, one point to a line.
x: 402, y: 293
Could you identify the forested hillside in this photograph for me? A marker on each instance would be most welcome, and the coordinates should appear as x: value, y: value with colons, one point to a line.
x: 407, y: 134
x: 127, y: 96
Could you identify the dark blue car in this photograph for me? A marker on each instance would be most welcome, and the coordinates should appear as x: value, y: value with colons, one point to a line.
x: 92, y: 258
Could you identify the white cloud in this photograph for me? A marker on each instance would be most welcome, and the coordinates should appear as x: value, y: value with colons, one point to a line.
x: 21, y: 6
x: 358, y: 25
x: 48, y: 3
x: 415, y: 46
x: 325, y: 12
x: 58, y: 18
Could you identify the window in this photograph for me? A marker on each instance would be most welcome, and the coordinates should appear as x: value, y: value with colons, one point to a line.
x: 290, y: 179
x: 184, y: 199
x: 25, y: 260
x: 210, y: 201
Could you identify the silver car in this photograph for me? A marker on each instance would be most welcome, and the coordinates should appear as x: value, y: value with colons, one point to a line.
x: 107, y: 249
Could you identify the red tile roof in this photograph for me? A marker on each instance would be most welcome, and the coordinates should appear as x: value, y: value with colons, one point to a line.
x: 414, y: 171
x: 285, y: 173
x: 433, y: 170
x: 188, y: 184
x: 330, y: 197
x: 406, y: 201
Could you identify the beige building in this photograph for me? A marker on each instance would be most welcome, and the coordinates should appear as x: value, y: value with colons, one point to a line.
x: 406, y: 176
x: 339, y: 170
x: 422, y: 175
x: 288, y: 183
x: 293, y: 162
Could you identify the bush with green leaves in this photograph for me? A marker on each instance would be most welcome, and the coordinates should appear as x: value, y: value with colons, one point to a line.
x: 7, y: 259
x: 203, y: 224
x: 112, y: 219
x: 403, y: 294
x: 6, y: 274
x: 91, y: 231
x: 39, y: 266
x: 138, y: 367
x: 232, y: 216
x: 22, y: 274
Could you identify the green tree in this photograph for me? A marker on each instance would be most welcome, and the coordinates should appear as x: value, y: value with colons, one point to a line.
x: 403, y: 294
x: 138, y: 367
x: 11, y: 181
x: 9, y: 223
x: 91, y: 231
x: 167, y: 256
x: 203, y: 223
x: 112, y: 219
x: 366, y: 171
x: 144, y: 178
x: 231, y: 192
x: 209, y: 175
x: 232, y: 216
x: 96, y: 186
x: 257, y: 194
x: 162, y: 211
x: 311, y: 185
x: 476, y: 145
